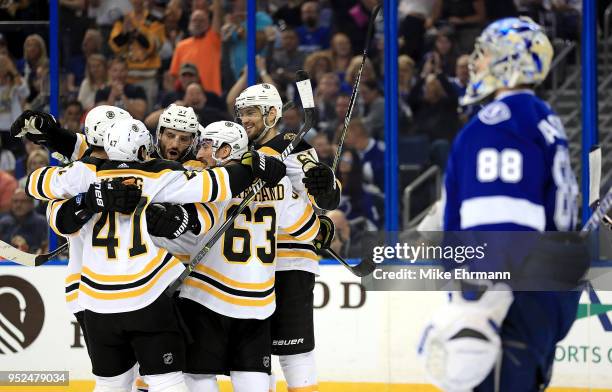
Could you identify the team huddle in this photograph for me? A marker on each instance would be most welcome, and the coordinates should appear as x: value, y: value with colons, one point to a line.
x: 132, y: 217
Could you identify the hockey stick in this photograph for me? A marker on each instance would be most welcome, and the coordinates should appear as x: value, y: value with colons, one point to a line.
x: 17, y: 256
x: 605, y: 203
x: 349, y: 112
x: 594, y: 175
x: 365, y: 268
x: 305, y: 91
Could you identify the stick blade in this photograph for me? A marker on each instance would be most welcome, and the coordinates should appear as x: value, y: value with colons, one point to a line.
x: 365, y: 268
x: 594, y: 174
x: 17, y: 256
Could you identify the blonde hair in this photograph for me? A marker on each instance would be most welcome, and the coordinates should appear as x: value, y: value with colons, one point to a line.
x: 353, y: 68
x: 100, y: 58
x: 36, y: 154
x: 41, y: 44
x: 10, y: 71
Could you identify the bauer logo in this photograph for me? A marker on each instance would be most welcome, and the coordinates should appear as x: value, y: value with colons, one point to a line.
x: 22, y: 314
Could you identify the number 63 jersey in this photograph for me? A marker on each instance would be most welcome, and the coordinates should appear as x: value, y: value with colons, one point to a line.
x: 509, y: 169
x: 236, y: 278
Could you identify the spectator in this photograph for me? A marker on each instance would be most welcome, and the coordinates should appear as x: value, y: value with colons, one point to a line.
x: 567, y: 14
x: 291, y: 120
x: 21, y: 163
x: 363, y: 207
x: 37, y: 158
x: 77, y: 65
x: 189, y: 74
x: 289, y: 14
x: 233, y: 34
x: 40, y: 101
x: 341, y: 53
x: 460, y: 82
x: 286, y: 60
x: 372, y: 109
x: 324, y: 149
x: 13, y: 93
x: 205, y: 39
x: 466, y: 17
x: 7, y: 160
x: 342, y: 238
x: 120, y: 93
x: 313, y: 37
x: 23, y: 227
x: 369, y: 73
x: 196, y: 98
x: 34, y: 55
x: 325, y: 98
x: 352, y: 19
x: 106, y: 13
x: 8, y: 184
x: 415, y: 20
x: 174, y: 33
x: 371, y: 153
x: 96, y: 78
x: 139, y: 36
x: 405, y: 76
x: 241, y: 83
x: 317, y: 64
x: 333, y: 127
x: 72, y: 113
x: 443, y: 52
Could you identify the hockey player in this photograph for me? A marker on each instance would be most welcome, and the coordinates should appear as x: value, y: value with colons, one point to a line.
x: 509, y: 169
x: 133, y: 283
x: 259, y: 109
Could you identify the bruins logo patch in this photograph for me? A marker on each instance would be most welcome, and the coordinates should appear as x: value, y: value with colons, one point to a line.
x: 289, y: 136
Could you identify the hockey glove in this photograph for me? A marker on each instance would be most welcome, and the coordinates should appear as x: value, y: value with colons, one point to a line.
x: 325, y: 236
x: 35, y: 126
x: 116, y: 195
x: 171, y: 220
x: 269, y: 169
x: 319, y: 178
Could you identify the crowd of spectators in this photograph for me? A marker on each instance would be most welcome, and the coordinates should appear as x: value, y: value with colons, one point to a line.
x: 143, y: 55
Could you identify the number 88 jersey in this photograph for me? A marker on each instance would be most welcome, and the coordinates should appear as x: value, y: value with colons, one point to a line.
x: 236, y: 278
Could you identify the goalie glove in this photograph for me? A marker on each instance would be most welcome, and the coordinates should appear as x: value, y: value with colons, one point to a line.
x: 269, y: 169
x: 460, y: 345
x: 318, y: 178
x: 171, y: 220
x: 35, y: 126
x: 325, y: 236
x: 121, y: 194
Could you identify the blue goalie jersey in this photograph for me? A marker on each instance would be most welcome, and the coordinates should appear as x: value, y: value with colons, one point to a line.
x: 509, y: 169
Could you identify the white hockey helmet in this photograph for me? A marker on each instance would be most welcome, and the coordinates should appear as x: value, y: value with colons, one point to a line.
x: 178, y: 118
x: 99, y: 119
x: 125, y: 139
x: 226, y: 132
x: 520, y: 54
x: 264, y: 96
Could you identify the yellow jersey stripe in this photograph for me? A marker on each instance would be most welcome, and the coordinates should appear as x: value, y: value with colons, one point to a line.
x: 303, y: 219
x: 182, y: 258
x: 234, y: 283
x: 72, y: 296
x: 309, y: 388
x: 221, y: 175
x: 206, y: 186
x: 82, y: 146
x: 311, y: 233
x: 73, y: 278
x: 33, y: 188
x: 268, y: 151
x: 294, y: 254
x: 131, y: 172
x: 133, y: 293
x: 54, y: 205
x: 205, y: 216
x: 47, y: 184
x: 126, y: 278
x: 229, y: 299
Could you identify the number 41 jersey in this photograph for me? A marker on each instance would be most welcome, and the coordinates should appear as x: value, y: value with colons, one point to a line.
x: 509, y: 169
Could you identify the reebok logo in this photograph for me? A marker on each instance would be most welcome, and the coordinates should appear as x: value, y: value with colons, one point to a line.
x: 287, y: 342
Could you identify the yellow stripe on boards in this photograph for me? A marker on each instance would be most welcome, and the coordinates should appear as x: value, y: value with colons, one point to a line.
x: 281, y: 386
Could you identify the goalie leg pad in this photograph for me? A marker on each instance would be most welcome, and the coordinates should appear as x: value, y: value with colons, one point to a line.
x: 250, y: 381
x: 202, y: 382
x: 300, y: 370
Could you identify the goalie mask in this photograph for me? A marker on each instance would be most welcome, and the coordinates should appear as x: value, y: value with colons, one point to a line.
x: 509, y: 53
x: 264, y: 96
x: 99, y: 119
x: 222, y: 133
x: 128, y: 141
x: 178, y: 118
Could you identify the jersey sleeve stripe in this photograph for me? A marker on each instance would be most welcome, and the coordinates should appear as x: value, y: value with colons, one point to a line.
x: 268, y: 151
x: 297, y: 245
x: 206, y: 186
x: 307, y: 214
x: 223, y: 183
x: 70, y: 279
x: 41, y: 181
x: 229, y: 299
x: 155, y: 262
x: 214, y: 185
x: 297, y: 254
x: 47, y: 183
x: 491, y: 210
x: 82, y: 143
x: 33, y: 182
x: 312, y: 221
x: 131, y: 172
x: 311, y: 233
x: 129, y: 294
x: 52, y: 208
x: 205, y: 216
x: 234, y: 283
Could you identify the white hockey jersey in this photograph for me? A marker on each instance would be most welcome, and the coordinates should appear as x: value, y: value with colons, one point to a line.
x: 236, y: 278
x: 122, y: 268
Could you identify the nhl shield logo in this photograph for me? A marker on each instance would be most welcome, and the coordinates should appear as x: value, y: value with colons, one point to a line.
x: 168, y: 358
x: 266, y: 361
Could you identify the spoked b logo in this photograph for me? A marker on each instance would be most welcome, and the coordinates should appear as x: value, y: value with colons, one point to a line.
x: 22, y: 314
